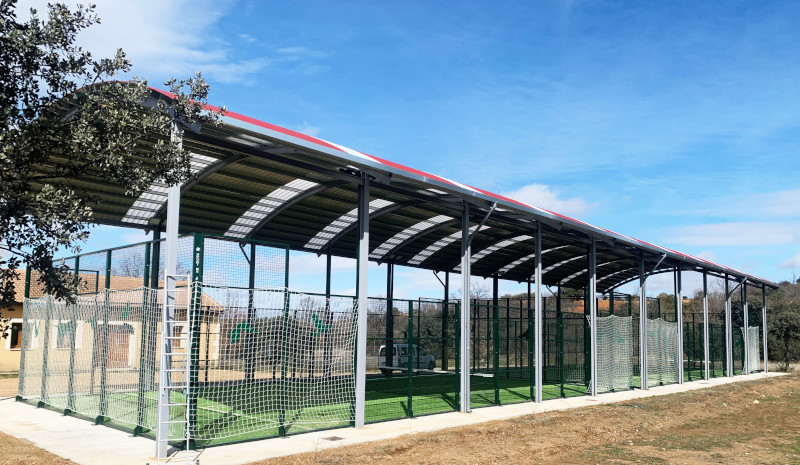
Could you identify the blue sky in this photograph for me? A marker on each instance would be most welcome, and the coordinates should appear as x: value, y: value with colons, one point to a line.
x: 673, y: 122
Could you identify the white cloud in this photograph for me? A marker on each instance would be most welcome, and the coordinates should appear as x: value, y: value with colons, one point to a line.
x: 790, y: 263
x: 247, y: 38
x: 768, y: 205
x: 543, y: 196
x: 166, y: 38
x: 736, y: 234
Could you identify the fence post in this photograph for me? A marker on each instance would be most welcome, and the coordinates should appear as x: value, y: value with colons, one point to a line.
x: 46, y: 346
x: 412, y: 352
x: 457, y: 347
x: 146, y: 315
x: 71, y: 387
x: 496, y: 348
x: 560, y: 337
x: 194, y: 320
x: 23, y: 339
x: 284, y: 357
x: 531, y: 342
x: 104, y: 347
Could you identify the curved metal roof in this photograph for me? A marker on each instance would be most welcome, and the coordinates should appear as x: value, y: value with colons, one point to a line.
x: 255, y: 179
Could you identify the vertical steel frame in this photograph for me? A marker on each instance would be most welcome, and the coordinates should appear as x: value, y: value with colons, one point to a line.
x: 593, y: 314
x: 746, y: 336
x: 168, y: 312
x: 537, y: 316
x: 642, y: 324
x: 195, y: 315
x: 764, y: 332
x: 464, y: 374
x: 679, y: 319
x: 363, y: 303
x: 728, y: 330
x: 706, y: 335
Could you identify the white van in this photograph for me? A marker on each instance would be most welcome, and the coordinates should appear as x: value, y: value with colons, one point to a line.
x: 420, y: 358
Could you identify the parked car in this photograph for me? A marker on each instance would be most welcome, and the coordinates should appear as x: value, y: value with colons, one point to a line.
x: 398, y: 359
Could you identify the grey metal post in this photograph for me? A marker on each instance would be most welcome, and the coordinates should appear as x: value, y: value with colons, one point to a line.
x: 746, y: 322
x: 728, y: 331
x: 389, y: 314
x: 593, y: 315
x: 361, y: 286
x: 642, y: 324
x: 706, y: 336
x: 465, y: 312
x: 328, y: 348
x: 445, y: 320
x: 168, y: 312
x: 764, y: 332
x: 537, y: 315
x: 679, y: 318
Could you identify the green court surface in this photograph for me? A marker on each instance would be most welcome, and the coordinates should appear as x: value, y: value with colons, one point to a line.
x: 230, y: 414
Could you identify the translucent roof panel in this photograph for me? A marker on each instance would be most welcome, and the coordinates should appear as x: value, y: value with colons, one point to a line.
x: 154, y: 198
x: 382, y: 250
x: 250, y: 219
x: 582, y: 271
x: 524, y: 259
x: 439, y: 245
x: 494, y: 248
x: 321, y: 239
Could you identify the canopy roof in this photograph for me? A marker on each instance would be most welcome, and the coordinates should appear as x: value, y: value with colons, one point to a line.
x: 257, y: 180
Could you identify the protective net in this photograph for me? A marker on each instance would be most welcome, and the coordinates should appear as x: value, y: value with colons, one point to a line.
x: 662, y: 352
x: 753, y: 348
x: 614, y: 353
x: 274, y: 362
x: 266, y: 361
x: 93, y: 357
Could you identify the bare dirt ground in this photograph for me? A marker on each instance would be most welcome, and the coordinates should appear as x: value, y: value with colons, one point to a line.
x: 743, y: 423
x: 8, y: 386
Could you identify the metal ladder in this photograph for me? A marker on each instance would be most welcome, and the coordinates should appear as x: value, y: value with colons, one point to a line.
x: 174, y: 386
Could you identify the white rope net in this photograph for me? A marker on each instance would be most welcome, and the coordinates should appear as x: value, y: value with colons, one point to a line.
x: 662, y: 352
x: 265, y: 361
x: 93, y: 357
x: 614, y: 353
x: 753, y: 348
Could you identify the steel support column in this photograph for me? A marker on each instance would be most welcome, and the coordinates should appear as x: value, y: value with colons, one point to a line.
x: 168, y: 315
x: 679, y: 319
x: 593, y: 315
x: 728, y: 331
x: 361, y: 292
x: 746, y: 336
x: 465, y: 313
x: 537, y: 316
x: 389, y: 336
x: 764, y: 332
x: 445, y: 320
x: 642, y: 324
x: 706, y: 335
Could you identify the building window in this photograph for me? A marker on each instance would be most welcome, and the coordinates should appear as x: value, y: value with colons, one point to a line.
x: 15, y: 338
x: 64, y: 334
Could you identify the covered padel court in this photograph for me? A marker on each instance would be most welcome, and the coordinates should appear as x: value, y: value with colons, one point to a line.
x: 198, y: 337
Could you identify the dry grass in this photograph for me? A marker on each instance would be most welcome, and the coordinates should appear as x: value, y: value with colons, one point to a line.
x: 743, y: 423
x: 718, y: 425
